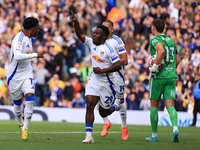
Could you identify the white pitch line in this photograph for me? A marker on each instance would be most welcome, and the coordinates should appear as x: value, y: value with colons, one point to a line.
x: 58, y: 132
x: 111, y: 132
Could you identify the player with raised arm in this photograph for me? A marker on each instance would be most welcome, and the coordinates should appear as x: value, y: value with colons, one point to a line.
x: 163, y: 78
x: 20, y: 73
x: 119, y: 47
x: 99, y: 89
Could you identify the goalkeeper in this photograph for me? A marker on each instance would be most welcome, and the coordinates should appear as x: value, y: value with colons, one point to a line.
x: 163, y: 78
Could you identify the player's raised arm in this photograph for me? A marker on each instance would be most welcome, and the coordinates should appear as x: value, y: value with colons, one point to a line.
x: 77, y: 27
x: 115, y: 67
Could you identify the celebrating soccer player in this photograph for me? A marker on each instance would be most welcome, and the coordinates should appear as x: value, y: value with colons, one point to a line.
x: 119, y: 47
x: 99, y: 89
x: 163, y: 78
x: 20, y: 73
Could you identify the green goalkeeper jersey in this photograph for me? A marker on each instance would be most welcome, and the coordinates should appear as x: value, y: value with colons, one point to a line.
x: 169, y: 68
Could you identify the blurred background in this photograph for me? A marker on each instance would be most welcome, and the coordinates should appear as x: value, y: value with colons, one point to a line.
x: 61, y: 76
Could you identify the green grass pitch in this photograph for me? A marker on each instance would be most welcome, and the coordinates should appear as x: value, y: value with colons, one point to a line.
x: 68, y: 136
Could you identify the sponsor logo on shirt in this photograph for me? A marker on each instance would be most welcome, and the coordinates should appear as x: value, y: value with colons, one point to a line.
x: 97, y: 59
x: 28, y: 52
x: 27, y: 45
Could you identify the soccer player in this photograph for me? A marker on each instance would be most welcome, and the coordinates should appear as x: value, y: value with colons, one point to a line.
x: 119, y: 47
x: 20, y: 73
x: 163, y: 78
x: 100, y: 86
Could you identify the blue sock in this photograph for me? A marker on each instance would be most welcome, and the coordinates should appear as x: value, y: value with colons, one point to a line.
x: 88, y: 129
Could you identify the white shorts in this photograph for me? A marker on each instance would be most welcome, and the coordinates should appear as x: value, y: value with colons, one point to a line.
x: 17, y: 87
x: 119, y: 87
x: 119, y: 84
x: 104, y: 91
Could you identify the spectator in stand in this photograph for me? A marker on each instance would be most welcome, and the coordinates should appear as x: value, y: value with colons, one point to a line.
x: 195, y: 4
x: 192, y: 45
x: 78, y: 101
x: 133, y: 75
x: 3, y: 89
x: 196, y: 94
x: 127, y: 37
x: 52, y: 81
x: 55, y: 95
x: 132, y: 103
x: 68, y: 91
x: 145, y: 103
x: 70, y: 46
x: 95, y: 19
x: 85, y: 72
x: 40, y: 74
x: 195, y: 59
x: 76, y: 85
x: 140, y: 92
x: 128, y: 82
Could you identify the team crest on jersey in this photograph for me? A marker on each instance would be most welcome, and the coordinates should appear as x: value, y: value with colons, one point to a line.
x: 28, y: 52
x: 102, y: 53
x: 13, y: 94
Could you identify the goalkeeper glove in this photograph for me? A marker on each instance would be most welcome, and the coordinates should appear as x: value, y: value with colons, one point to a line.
x: 154, y: 68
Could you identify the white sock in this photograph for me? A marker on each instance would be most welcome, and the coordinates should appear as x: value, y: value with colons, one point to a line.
x: 88, y: 133
x: 18, y: 113
x: 175, y: 128
x: 106, y: 120
x: 28, y: 114
x: 154, y: 135
x: 123, y: 113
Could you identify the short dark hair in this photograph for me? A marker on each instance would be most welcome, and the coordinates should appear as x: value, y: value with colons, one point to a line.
x: 30, y: 22
x: 104, y: 28
x: 159, y: 25
x: 109, y: 21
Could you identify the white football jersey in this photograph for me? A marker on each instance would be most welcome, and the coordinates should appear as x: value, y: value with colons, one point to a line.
x: 119, y: 47
x: 102, y: 56
x: 20, y: 62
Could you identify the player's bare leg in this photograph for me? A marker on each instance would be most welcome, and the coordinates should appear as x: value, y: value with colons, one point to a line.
x: 91, y: 102
x: 154, y: 120
x: 173, y: 117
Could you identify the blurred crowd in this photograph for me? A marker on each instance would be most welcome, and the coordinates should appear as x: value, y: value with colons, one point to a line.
x: 61, y: 76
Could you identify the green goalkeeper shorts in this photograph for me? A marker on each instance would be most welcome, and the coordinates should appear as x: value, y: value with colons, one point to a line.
x: 157, y: 87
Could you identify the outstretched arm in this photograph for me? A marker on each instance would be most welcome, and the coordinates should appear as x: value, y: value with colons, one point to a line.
x: 115, y: 67
x: 22, y: 56
x: 77, y: 27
